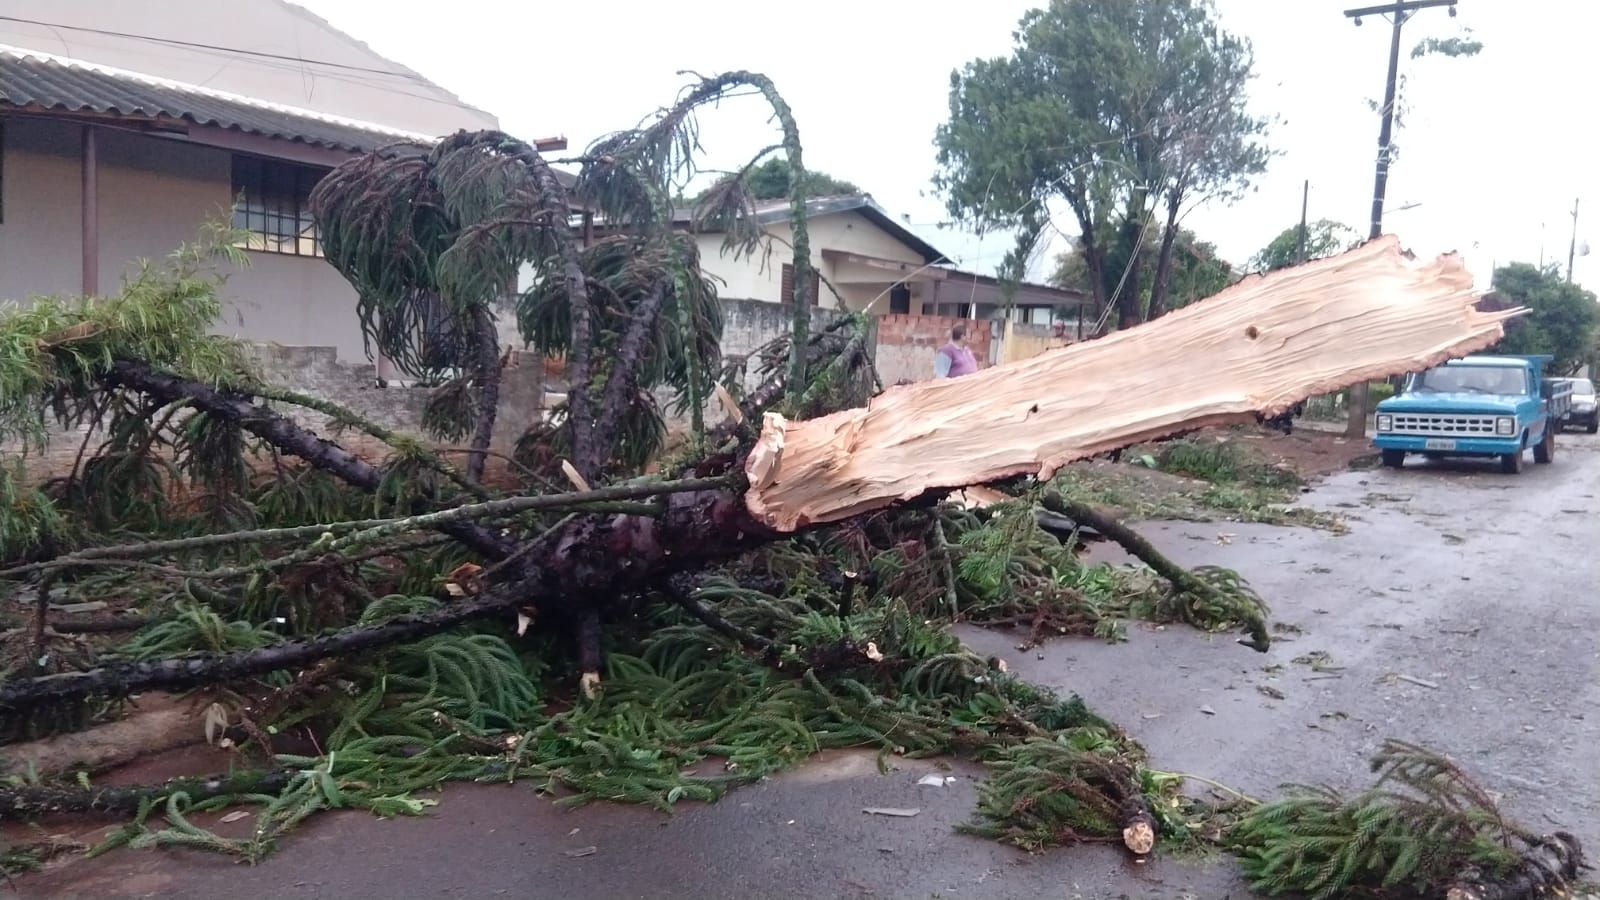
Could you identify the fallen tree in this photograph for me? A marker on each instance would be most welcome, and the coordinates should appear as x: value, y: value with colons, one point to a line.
x: 1257, y: 348
x: 768, y: 599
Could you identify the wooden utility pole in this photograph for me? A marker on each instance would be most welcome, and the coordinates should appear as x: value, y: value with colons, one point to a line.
x: 1305, y: 201
x: 1572, y: 248
x: 1398, y: 12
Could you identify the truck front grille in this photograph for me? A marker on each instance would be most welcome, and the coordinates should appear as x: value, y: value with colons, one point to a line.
x: 1449, y: 426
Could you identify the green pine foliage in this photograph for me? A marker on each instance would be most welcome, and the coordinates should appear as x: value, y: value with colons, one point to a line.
x: 1420, y: 826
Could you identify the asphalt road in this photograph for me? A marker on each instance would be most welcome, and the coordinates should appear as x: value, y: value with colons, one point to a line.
x: 1480, y: 584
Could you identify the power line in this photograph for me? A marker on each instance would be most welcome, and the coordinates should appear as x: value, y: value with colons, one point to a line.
x: 200, y: 46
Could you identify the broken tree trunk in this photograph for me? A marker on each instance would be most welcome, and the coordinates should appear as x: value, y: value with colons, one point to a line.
x: 1256, y: 348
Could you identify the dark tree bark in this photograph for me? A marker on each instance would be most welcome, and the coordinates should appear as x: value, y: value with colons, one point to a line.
x: 287, y: 437
x: 21, y: 804
x: 574, y: 570
x: 623, y: 382
x: 1160, y: 286
x: 1547, y: 868
x: 488, y: 379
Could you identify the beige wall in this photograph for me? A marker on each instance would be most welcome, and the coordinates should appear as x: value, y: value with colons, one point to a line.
x: 154, y: 195
x: 402, y: 100
x: 759, y: 276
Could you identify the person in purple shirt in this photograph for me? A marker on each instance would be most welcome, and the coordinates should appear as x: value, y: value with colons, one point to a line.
x: 955, y: 358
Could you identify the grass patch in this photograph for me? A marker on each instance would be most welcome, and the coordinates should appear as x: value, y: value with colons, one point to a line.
x: 1196, y: 480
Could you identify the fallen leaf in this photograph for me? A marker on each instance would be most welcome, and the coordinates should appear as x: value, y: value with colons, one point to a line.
x: 235, y: 816
x: 581, y: 851
x: 897, y: 812
x: 1208, y: 710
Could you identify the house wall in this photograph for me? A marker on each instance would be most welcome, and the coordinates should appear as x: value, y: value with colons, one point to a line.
x: 319, y: 372
x: 154, y: 194
x: 331, y: 72
x: 759, y: 276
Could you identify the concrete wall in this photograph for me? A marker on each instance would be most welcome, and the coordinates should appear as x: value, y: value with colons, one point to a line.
x: 907, y: 345
x: 326, y: 70
x: 1020, y: 341
x: 153, y: 196
x: 319, y: 372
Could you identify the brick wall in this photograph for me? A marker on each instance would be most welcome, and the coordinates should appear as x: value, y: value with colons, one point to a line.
x: 319, y: 372
x: 907, y: 344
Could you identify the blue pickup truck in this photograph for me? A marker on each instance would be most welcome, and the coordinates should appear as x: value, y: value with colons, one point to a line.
x: 1494, y: 406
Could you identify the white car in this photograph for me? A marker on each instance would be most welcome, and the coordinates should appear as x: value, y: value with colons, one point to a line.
x: 1583, y: 411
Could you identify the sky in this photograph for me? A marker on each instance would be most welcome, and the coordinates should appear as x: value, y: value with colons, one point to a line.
x: 1490, y: 161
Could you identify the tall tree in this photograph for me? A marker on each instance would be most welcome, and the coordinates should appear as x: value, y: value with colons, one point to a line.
x: 1563, y: 320
x: 1324, y: 237
x: 1125, y: 112
x: 1195, y: 273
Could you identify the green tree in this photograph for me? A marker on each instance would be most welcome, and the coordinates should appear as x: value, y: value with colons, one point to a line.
x: 770, y: 181
x: 1563, y: 318
x: 1324, y: 237
x: 1125, y: 112
x: 1196, y: 273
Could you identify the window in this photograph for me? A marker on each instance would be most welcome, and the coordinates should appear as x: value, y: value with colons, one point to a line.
x: 786, y: 287
x: 899, y: 299
x: 272, y: 204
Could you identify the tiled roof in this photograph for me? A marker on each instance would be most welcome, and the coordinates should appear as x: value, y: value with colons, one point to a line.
x: 33, y: 80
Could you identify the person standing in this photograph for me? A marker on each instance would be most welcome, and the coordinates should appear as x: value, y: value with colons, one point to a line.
x: 955, y: 358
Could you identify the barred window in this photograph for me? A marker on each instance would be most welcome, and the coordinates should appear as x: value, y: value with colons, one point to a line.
x: 272, y: 205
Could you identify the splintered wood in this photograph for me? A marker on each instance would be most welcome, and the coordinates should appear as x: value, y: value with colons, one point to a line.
x: 1260, y: 346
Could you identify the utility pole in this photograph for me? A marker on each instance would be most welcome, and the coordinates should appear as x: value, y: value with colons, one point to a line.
x: 1305, y: 201
x: 1399, y: 12
x: 1572, y: 248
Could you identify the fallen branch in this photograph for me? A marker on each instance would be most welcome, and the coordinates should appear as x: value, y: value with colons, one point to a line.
x: 585, y: 563
x: 164, y: 723
x: 286, y: 436
x: 1182, y: 580
x: 1258, y: 347
x: 30, y: 802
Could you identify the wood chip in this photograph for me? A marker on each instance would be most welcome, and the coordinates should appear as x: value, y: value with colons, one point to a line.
x: 581, y: 852
x: 895, y: 811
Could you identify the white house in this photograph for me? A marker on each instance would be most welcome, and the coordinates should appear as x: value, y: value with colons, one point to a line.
x: 123, y: 126
x: 863, y: 259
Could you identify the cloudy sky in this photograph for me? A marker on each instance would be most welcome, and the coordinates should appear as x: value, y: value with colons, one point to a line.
x: 1494, y: 153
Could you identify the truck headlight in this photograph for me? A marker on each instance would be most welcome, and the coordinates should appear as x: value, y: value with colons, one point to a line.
x: 1385, y: 422
x: 1506, y: 425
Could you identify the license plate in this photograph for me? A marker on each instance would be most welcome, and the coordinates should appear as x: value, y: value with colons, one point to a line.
x: 1439, y: 444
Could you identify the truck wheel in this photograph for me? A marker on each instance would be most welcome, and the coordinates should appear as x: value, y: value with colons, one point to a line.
x: 1511, y: 463
x: 1394, y: 459
x: 1545, y: 450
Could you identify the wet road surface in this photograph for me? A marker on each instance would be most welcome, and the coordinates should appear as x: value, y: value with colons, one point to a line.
x: 1480, y: 584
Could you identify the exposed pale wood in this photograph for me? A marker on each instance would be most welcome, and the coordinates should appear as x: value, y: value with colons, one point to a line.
x: 1258, y: 347
x: 162, y: 722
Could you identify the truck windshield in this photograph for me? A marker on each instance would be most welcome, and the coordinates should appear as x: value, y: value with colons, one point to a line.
x: 1473, y: 380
